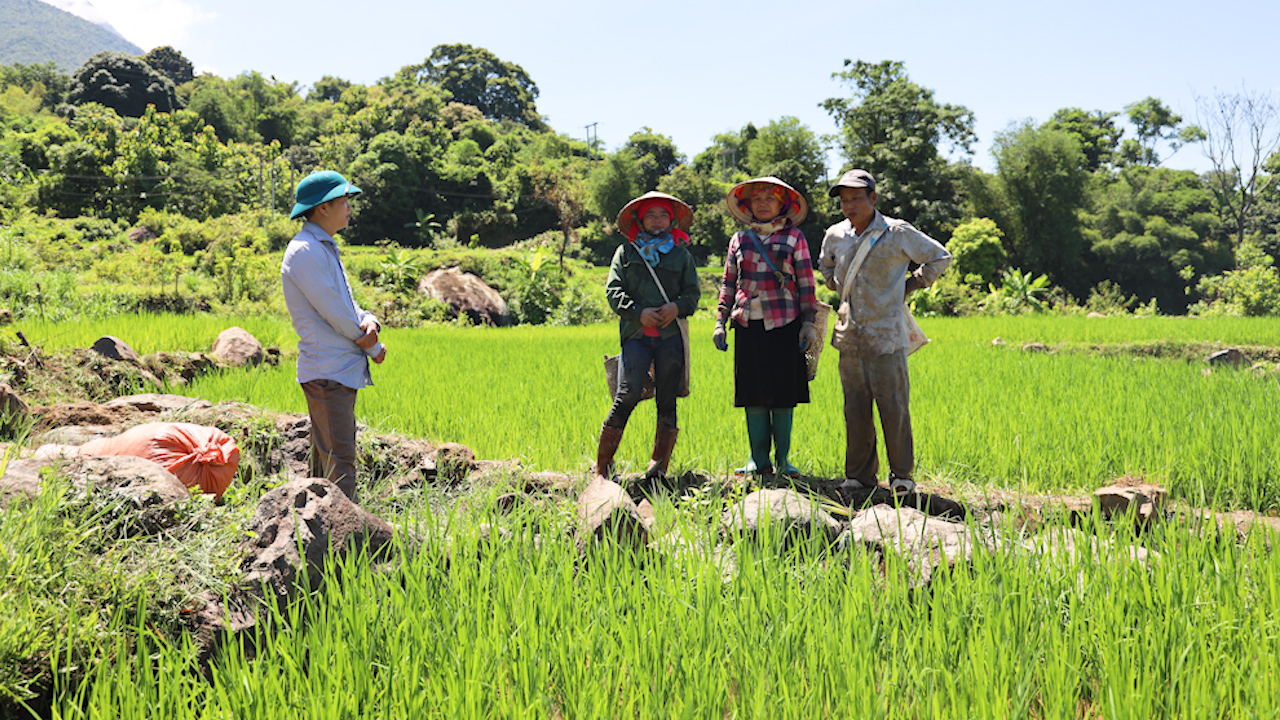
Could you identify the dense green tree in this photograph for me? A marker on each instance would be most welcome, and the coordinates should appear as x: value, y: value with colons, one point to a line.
x: 712, y: 225
x: 475, y: 76
x: 1096, y: 132
x: 172, y: 63
x: 393, y: 105
x: 123, y: 83
x: 328, y: 89
x: 894, y: 128
x: 977, y: 250
x: 561, y: 187
x: 727, y: 155
x: 229, y: 113
x: 53, y: 83
x: 1043, y: 179
x: 789, y: 142
x: 1154, y: 124
x: 398, y: 175
x: 656, y: 155
x: 1251, y: 289
x: 1152, y: 224
x: 1264, y: 226
x: 612, y: 185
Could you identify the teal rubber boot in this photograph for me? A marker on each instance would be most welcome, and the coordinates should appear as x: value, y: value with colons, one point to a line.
x: 760, y: 436
x: 781, y: 422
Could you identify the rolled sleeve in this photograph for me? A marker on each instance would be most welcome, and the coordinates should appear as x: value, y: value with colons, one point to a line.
x: 932, y: 257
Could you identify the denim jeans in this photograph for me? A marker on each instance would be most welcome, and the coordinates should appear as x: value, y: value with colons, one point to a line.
x: 667, y: 357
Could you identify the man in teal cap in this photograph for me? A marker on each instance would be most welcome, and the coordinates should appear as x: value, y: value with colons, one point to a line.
x: 336, y: 337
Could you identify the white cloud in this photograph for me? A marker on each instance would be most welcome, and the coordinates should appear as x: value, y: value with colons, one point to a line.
x: 149, y: 23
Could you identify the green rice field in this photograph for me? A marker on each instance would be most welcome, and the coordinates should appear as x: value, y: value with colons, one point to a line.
x: 983, y: 415
x: 529, y: 628
x: 529, y: 632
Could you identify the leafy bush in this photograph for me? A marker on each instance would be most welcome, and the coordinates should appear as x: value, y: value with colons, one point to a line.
x: 1109, y: 299
x: 1018, y: 293
x: 581, y: 305
x: 976, y: 246
x: 535, y: 295
x: 1252, y: 289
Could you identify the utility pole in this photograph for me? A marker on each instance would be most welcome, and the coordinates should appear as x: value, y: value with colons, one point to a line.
x: 592, y: 139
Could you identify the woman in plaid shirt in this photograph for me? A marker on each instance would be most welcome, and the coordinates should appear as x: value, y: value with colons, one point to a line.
x: 768, y: 294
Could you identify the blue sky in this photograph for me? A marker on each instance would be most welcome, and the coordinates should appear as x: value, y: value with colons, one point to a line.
x: 692, y: 69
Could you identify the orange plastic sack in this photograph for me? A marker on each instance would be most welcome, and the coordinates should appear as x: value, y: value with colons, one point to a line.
x: 200, y: 456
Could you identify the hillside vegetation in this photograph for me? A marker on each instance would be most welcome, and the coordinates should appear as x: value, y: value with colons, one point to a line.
x: 33, y: 33
x: 1080, y: 211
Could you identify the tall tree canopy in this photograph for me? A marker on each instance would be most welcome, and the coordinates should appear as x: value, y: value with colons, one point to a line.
x: 1042, y: 175
x: 475, y: 76
x: 172, y: 63
x: 123, y: 83
x: 1156, y: 123
x: 788, y: 149
x: 893, y: 128
x: 1096, y: 131
x: 656, y: 155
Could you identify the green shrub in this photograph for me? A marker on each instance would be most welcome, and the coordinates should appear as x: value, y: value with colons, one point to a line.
x: 1251, y: 290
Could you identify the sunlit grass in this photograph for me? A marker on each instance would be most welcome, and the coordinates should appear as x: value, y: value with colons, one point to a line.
x: 983, y: 415
x: 527, y: 631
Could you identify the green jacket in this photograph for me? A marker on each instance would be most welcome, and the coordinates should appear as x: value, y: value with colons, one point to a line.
x: 630, y: 288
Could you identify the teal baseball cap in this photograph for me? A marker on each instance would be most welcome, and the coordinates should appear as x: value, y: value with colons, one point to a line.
x: 320, y: 187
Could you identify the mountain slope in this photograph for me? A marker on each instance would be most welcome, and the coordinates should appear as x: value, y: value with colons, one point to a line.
x: 33, y: 32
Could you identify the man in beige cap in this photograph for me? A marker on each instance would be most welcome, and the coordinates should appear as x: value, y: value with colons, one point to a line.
x: 866, y: 258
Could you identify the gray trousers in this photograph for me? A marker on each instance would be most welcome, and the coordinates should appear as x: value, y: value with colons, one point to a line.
x: 332, y: 407
x: 883, y: 380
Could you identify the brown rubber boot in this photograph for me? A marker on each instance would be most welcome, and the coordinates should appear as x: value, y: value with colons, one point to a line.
x: 610, y: 437
x: 664, y: 441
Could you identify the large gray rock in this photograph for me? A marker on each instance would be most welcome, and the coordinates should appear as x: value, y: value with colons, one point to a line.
x: 141, y: 481
x: 1144, y: 500
x: 158, y: 403
x: 297, y: 526
x: 21, y: 479
x: 453, y: 463
x: 926, y: 543
x: 605, y: 509
x: 787, y: 511
x: 236, y: 346
x: 466, y: 293
x: 1230, y: 357
x: 140, y: 496
x: 110, y: 346
x: 75, y: 434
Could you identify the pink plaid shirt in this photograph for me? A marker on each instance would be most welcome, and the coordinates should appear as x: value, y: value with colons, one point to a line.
x: 747, y: 275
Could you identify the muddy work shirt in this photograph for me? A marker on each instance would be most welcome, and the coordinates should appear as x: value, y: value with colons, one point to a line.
x: 870, y: 320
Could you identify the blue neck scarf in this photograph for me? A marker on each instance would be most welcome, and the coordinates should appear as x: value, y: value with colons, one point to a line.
x: 651, y: 247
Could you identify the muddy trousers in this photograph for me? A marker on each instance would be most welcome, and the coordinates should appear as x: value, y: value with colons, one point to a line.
x: 882, y: 380
x: 667, y: 358
x: 332, y: 407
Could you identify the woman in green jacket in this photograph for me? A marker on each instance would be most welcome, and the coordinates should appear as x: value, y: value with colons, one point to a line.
x: 652, y: 283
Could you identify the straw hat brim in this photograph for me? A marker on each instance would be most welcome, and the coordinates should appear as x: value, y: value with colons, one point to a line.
x: 627, y: 220
x: 799, y: 206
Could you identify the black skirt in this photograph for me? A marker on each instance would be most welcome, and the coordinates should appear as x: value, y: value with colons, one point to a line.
x: 768, y: 366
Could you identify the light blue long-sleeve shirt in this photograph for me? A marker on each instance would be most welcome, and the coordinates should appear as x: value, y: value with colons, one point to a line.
x: 324, y: 312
